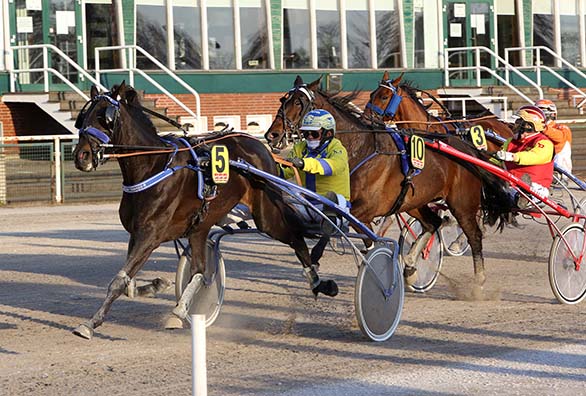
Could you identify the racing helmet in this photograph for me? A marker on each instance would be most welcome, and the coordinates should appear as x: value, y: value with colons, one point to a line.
x: 318, y: 119
x: 534, y: 116
x: 548, y: 107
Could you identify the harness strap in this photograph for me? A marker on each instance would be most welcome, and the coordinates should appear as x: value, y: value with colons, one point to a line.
x: 168, y: 171
x: 405, y: 184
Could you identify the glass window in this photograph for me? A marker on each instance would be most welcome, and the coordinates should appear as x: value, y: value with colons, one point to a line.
x: 221, y: 34
x: 151, y: 34
x: 388, y: 36
x: 327, y: 18
x: 187, y: 34
x: 254, y: 34
x: 358, y: 34
x: 570, y: 31
x: 543, y: 28
x: 98, y: 22
x: 425, y: 45
x: 296, y: 44
x: 508, y: 30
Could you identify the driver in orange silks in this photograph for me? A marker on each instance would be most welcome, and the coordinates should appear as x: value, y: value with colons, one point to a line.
x: 559, y: 134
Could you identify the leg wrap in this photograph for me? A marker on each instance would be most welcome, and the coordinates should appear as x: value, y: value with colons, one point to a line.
x: 311, y: 276
x: 192, y: 288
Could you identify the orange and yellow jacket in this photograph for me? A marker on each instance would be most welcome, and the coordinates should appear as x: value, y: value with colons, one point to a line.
x: 559, y: 134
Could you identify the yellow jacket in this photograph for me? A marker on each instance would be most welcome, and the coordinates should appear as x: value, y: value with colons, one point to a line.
x: 326, y: 170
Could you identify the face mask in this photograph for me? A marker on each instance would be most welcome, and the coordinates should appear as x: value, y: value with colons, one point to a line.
x: 313, y: 144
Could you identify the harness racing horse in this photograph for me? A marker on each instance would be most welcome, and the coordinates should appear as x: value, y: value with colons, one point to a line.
x: 400, y: 103
x: 184, y: 203
x: 379, y: 188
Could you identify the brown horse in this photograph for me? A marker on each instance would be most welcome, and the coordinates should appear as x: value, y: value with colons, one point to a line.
x: 400, y: 103
x: 411, y: 113
x: 186, y: 204
x: 377, y: 181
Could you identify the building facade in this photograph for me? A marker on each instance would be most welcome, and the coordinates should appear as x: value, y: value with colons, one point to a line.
x: 256, y: 48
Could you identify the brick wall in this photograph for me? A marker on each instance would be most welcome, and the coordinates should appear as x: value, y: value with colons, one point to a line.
x: 26, y: 119
x: 230, y: 104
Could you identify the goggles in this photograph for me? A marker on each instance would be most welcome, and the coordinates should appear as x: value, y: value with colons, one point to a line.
x: 524, y: 126
x: 312, y: 134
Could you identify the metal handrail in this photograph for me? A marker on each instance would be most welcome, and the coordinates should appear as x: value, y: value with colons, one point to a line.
x: 131, y: 69
x: 46, y: 69
x: 478, y: 68
x: 538, y: 65
x: 478, y: 99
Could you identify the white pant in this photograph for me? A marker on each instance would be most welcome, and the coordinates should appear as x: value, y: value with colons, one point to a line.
x: 563, y: 159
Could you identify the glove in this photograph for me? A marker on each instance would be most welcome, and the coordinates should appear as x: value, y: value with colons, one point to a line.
x: 298, y: 162
x: 505, y: 156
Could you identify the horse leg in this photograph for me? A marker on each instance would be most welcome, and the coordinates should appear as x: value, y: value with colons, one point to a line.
x: 328, y: 287
x: 318, y: 250
x: 387, y: 223
x: 430, y: 222
x: 138, y: 253
x: 197, y: 241
x: 468, y: 220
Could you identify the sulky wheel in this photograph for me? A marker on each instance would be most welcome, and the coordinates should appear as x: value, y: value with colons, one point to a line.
x: 379, y: 294
x: 568, y: 283
x: 208, y: 300
x: 429, y: 262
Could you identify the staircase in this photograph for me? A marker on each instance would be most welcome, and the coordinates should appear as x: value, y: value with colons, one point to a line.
x: 71, y: 104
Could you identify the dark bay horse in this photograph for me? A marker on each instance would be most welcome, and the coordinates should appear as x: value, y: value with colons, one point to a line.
x: 377, y: 180
x: 185, y: 204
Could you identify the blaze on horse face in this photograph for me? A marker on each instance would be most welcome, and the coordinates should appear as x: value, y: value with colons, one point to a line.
x: 295, y: 104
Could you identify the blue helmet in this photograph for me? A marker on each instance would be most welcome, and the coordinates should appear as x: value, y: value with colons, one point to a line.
x: 318, y: 119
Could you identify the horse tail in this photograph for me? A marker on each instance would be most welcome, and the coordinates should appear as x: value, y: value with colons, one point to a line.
x: 496, y: 203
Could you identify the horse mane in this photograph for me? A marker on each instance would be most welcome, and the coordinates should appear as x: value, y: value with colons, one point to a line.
x: 130, y: 97
x: 345, y: 105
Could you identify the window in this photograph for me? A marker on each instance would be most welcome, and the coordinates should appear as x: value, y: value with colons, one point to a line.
x: 254, y: 34
x: 543, y: 23
x: 151, y: 34
x: 187, y: 34
x: 358, y: 34
x: 425, y: 45
x: 98, y: 22
x: 388, y: 35
x: 507, y: 30
x: 569, y: 30
x: 221, y: 34
x: 296, y: 42
x: 327, y: 18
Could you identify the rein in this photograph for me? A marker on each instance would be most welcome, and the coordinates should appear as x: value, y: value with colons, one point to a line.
x: 157, y: 150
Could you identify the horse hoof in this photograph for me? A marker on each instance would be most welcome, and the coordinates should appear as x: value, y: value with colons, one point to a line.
x: 329, y: 288
x: 410, y: 275
x: 173, y: 323
x: 84, y: 331
x: 151, y: 290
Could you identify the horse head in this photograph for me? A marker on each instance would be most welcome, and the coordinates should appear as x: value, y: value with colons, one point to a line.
x: 99, y: 124
x: 384, y: 100
x: 295, y: 104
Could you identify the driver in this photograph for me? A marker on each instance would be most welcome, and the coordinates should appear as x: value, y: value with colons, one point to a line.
x: 529, y: 153
x: 323, y: 162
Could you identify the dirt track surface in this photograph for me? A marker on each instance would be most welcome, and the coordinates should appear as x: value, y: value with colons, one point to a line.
x: 272, y: 338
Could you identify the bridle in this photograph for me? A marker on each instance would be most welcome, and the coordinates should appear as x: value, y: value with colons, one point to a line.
x: 289, y: 127
x: 391, y: 109
x: 98, y: 139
